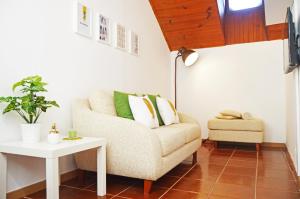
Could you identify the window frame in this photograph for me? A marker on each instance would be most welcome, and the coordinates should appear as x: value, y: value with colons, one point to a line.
x: 231, y: 8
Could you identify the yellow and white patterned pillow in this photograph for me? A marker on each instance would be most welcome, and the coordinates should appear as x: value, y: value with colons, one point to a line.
x: 143, y: 111
x: 167, y: 111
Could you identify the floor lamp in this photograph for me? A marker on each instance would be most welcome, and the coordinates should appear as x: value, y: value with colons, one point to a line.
x: 189, y: 57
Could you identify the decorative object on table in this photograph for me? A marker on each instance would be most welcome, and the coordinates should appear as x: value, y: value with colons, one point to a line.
x: 134, y: 47
x: 29, y: 106
x: 53, y: 136
x: 189, y: 57
x: 83, y: 20
x: 120, y: 36
x: 103, y: 29
x: 72, y: 135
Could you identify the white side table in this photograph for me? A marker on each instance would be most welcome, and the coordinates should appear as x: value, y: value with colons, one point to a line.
x: 52, y: 153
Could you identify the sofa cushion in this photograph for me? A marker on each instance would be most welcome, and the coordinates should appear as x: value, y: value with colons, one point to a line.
x: 153, y: 100
x: 174, y: 136
x: 122, y: 105
x: 102, y: 102
x: 167, y: 111
x: 143, y: 111
x: 236, y: 125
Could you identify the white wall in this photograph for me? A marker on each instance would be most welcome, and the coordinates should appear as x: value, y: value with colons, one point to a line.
x: 291, y: 80
x: 37, y: 38
x: 275, y: 10
x: 247, y: 77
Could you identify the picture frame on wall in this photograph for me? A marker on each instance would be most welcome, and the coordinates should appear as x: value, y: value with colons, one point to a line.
x: 83, y: 20
x: 120, y: 37
x: 134, y: 43
x: 103, y: 29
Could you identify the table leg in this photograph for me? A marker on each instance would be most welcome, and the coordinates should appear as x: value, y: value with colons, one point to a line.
x: 3, y: 175
x: 52, y: 178
x: 101, y: 171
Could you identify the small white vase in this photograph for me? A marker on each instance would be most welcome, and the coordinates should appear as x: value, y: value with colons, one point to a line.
x: 31, y: 133
x: 53, y: 138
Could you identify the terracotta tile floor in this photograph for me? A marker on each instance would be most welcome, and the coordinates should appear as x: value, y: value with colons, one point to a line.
x: 236, y: 172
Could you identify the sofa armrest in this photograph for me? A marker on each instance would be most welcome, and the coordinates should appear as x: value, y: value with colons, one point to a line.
x: 131, y: 147
x: 186, y: 119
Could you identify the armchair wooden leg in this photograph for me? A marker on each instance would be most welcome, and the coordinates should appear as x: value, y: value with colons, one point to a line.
x: 147, y: 186
x: 81, y: 176
x: 194, y: 157
x: 257, y: 147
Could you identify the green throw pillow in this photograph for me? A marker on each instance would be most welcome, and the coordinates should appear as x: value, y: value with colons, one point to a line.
x: 122, y: 105
x: 153, y: 100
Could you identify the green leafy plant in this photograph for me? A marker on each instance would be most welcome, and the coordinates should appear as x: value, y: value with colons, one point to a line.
x: 29, y: 106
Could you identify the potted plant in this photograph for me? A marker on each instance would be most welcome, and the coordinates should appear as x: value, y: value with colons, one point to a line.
x: 29, y: 106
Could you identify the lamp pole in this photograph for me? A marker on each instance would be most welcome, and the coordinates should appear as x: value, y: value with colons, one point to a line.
x: 175, y: 78
x: 188, y: 58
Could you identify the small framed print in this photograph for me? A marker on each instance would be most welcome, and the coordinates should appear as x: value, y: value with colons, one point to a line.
x: 134, y: 41
x: 120, y: 36
x: 83, y: 20
x: 103, y: 29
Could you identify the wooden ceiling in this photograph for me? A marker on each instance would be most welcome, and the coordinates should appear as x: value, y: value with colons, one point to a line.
x: 208, y: 23
x: 189, y: 23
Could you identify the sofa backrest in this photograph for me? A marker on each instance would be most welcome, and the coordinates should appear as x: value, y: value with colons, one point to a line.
x: 102, y: 102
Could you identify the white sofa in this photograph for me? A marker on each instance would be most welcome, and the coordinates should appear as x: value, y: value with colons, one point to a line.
x: 133, y: 150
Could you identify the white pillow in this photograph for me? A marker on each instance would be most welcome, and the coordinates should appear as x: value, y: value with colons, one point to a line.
x: 143, y: 111
x: 167, y: 111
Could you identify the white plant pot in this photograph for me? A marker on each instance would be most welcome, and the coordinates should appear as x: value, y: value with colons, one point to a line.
x: 31, y: 133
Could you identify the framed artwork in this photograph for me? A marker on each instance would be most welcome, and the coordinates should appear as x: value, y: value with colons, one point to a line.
x: 120, y: 37
x: 103, y: 29
x: 83, y: 20
x: 134, y: 47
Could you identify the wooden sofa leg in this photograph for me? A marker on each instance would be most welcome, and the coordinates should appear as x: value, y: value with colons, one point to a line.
x: 147, y: 186
x: 216, y: 144
x: 194, y: 157
x: 257, y: 147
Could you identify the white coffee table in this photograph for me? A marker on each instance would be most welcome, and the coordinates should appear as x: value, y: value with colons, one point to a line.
x: 52, y: 153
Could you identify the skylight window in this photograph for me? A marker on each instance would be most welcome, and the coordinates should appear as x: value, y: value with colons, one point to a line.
x: 236, y: 5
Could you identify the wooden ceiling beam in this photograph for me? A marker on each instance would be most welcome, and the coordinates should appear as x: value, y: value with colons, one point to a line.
x: 195, y: 23
x: 277, y: 31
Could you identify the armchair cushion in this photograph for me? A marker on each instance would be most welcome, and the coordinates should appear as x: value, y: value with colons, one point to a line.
x: 236, y: 125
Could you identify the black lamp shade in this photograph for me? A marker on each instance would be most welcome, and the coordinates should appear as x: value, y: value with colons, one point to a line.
x: 189, y: 57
